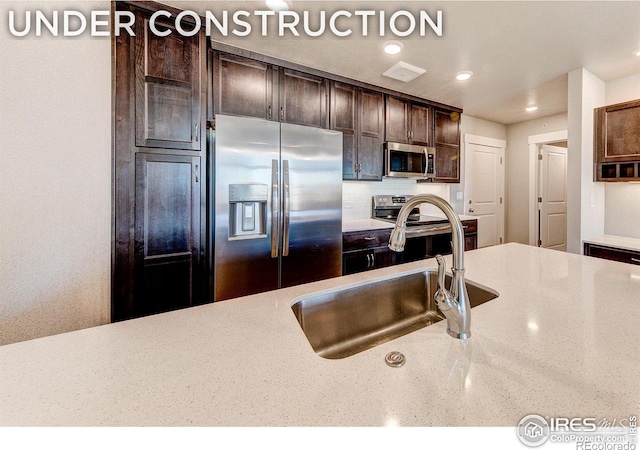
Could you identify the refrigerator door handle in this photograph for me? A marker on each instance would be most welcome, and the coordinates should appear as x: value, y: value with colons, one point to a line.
x: 286, y: 207
x: 275, y: 227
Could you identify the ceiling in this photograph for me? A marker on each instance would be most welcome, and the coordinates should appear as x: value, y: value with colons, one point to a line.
x: 519, y: 51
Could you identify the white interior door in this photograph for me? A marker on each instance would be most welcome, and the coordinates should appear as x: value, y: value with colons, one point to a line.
x: 552, y: 201
x: 484, y: 186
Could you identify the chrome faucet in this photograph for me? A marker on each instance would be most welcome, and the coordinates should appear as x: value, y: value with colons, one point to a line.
x: 454, y: 304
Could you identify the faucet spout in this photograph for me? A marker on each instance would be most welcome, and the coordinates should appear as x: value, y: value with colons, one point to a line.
x: 454, y: 303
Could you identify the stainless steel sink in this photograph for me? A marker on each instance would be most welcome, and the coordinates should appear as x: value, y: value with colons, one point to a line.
x: 344, y: 322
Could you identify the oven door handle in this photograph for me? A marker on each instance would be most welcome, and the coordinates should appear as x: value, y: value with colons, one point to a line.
x: 428, y: 231
x: 415, y: 232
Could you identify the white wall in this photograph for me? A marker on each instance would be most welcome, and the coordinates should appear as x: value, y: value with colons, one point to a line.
x: 55, y: 180
x: 517, y: 172
x: 622, y: 200
x: 585, y: 198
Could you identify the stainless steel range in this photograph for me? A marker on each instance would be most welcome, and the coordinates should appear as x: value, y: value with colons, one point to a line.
x: 387, y: 207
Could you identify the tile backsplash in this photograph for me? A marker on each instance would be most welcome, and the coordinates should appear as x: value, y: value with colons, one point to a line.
x: 357, y: 195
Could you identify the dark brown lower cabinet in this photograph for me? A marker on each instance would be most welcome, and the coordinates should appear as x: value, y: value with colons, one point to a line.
x: 614, y: 254
x: 167, y: 232
x: 367, y: 250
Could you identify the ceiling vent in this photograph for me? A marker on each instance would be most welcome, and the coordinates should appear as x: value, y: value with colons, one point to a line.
x: 404, y: 72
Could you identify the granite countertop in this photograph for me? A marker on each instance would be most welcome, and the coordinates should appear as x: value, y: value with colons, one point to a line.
x: 562, y: 340
x: 350, y: 225
x: 622, y: 242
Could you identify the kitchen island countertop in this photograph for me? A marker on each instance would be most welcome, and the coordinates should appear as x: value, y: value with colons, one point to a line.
x: 561, y: 340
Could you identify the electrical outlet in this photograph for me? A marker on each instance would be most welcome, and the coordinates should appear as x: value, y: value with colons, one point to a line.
x: 593, y: 201
x: 348, y: 205
x: 458, y: 195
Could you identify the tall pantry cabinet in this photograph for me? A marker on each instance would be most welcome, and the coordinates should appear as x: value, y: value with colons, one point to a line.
x: 159, y: 170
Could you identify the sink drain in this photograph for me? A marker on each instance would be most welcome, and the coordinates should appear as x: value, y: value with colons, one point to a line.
x: 395, y: 359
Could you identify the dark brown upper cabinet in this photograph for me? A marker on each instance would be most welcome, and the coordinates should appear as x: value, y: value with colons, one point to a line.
x: 342, y: 115
x: 617, y: 142
x: 397, y: 120
x: 303, y: 99
x: 370, y: 134
x: 244, y: 87
x: 247, y: 87
x: 168, y: 91
x: 420, y: 124
x: 408, y: 122
x: 447, y: 143
x: 358, y: 114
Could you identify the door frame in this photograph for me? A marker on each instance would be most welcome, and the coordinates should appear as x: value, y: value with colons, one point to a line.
x: 534, y: 142
x: 488, y: 142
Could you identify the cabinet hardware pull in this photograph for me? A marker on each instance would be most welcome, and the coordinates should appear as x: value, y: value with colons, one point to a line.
x: 373, y: 260
x: 197, y: 127
x: 635, y: 260
x: 269, y: 112
x: 197, y: 173
x: 286, y: 207
x: 369, y: 238
x: 275, y: 227
x: 282, y: 114
x: 368, y: 260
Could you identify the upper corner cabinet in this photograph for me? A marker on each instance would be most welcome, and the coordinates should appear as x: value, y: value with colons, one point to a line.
x: 169, y: 92
x: 617, y: 142
x: 447, y: 144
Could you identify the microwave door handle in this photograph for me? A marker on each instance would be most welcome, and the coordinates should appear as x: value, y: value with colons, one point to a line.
x: 426, y: 162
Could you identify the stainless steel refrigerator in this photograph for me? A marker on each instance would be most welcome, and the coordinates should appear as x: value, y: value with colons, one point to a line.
x: 278, y: 205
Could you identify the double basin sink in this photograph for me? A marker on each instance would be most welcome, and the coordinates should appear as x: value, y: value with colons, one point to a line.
x: 343, y: 322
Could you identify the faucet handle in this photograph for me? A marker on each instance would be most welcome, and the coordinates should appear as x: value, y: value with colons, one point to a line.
x: 442, y: 296
x: 442, y: 266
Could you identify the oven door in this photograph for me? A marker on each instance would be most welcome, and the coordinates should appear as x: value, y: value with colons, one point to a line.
x: 408, y: 161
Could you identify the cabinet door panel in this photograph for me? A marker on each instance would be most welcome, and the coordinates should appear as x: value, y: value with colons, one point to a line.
x: 447, y: 128
x: 342, y: 117
x: 397, y: 120
x: 370, y: 158
x: 168, y: 97
x: 243, y: 87
x: 303, y: 99
x: 420, y: 125
x: 167, y: 232
x: 447, y: 163
x: 370, y: 130
x: 168, y: 111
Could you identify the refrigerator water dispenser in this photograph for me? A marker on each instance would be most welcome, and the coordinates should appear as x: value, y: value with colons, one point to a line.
x: 248, y: 211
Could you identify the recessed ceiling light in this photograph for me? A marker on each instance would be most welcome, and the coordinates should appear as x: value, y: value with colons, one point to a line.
x: 465, y: 75
x: 531, y: 108
x: 278, y: 5
x: 393, y: 47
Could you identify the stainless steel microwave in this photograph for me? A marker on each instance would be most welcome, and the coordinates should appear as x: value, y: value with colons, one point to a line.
x: 409, y: 161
